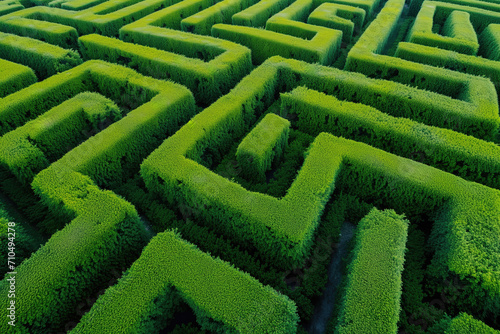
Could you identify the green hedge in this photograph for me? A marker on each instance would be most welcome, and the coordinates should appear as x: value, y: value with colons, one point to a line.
x: 18, y: 108
x: 490, y: 42
x: 475, y: 94
x: 208, y: 80
x: 297, y: 11
x: 263, y: 146
x: 45, y: 59
x: 341, y: 17
x: 482, y: 13
x: 307, y: 42
x: 31, y: 147
x: 458, y: 33
x: 257, y: 15
x: 171, y: 16
x: 158, y: 110
x: 21, y: 23
x: 462, y: 324
x: 183, y: 179
x: 450, y: 60
x: 456, y: 153
x: 9, y: 6
x: 23, y: 242
x: 369, y: 6
x: 221, y: 12
x: 14, y: 77
x: 104, y: 19
x: 76, y: 5
x: 371, y: 302
x: 465, y: 231
x: 105, y: 233
x: 223, y: 298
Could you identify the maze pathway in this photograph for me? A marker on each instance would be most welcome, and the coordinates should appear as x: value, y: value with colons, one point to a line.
x: 186, y: 166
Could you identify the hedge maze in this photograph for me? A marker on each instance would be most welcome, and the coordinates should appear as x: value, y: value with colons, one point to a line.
x: 188, y: 166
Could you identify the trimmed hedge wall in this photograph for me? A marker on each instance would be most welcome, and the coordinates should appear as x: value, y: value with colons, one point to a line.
x: 314, y: 112
x: 490, y: 42
x: 45, y: 59
x: 223, y: 298
x: 458, y: 33
x: 462, y: 324
x: 170, y: 56
x: 341, y: 17
x: 263, y: 146
x: 364, y: 57
x: 14, y: 77
x: 371, y: 303
x: 307, y: 42
x: 221, y: 12
x: 257, y: 15
x: 104, y: 233
x: 31, y: 147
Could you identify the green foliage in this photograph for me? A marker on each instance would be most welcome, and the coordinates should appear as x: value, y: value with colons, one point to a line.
x: 201, y: 23
x: 462, y: 324
x: 9, y: 6
x: 263, y: 146
x: 257, y: 15
x: 458, y: 32
x: 207, y: 80
x: 23, y: 243
x: 307, y: 42
x: 450, y: 60
x: 14, y: 77
x: 213, y: 288
x: 456, y: 153
x: 104, y: 234
x: 103, y: 19
x: 336, y: 16
x: 172, y: 16
x: 45, y: 59
x: 371, y: 303
x: 490, y: 42
x: 18, y: 108
x: 28, y: 149
x: 467, y: 90
x: 52, y: 33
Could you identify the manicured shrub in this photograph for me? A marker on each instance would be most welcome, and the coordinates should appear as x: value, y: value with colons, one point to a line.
x: 257, y: 15
x: 9, y: 6
x: 470, y: 158
x: 336, y: 16
x: 30, y: 148
x: 171, y: 16
x: 105, y: 233
x: 364, y: 57
x: 14, y: 237
x: 371, y: 303
x: 213, y: 288
x: 307, y: 42
x: 490, y: 42
x: 263, y: 146
x: 45, y: 59
x: 450, y: 60
x: 462, y: 324
x: 221, y: 12
x: 208, y: 80
x: 14, y: 77
x: 458, y: 32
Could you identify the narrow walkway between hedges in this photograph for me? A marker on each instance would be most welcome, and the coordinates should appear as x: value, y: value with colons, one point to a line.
x: 324, y: 308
